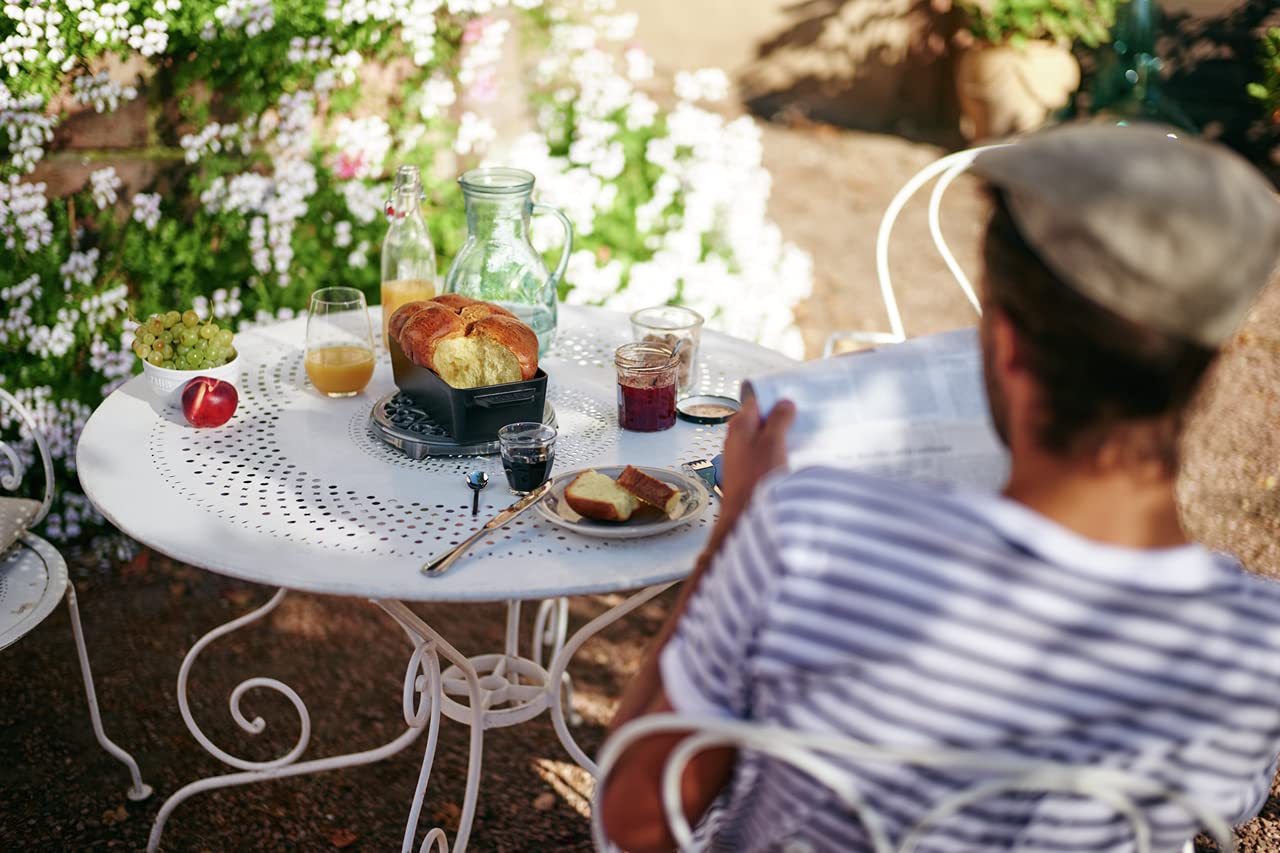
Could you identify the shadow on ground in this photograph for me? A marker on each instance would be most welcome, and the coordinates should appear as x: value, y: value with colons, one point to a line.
x: 344, y: 657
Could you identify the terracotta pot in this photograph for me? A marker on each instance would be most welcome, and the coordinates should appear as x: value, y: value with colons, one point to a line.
x: 1005, y: 90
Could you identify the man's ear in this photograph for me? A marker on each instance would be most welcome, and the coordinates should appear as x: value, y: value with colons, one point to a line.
x: 1007, y: 347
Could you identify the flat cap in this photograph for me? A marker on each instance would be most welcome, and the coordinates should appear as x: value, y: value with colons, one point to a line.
x: 1168, y: 231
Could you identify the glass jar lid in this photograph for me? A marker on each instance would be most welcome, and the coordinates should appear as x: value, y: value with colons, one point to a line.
x: 644, y: 358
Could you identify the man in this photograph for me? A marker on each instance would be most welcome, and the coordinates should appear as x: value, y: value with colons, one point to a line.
x: 1067, y: 619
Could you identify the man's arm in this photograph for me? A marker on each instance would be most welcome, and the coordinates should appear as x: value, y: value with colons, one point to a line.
x: 632, y: 805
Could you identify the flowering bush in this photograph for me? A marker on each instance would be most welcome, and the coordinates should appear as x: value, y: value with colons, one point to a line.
x: 1267, y: 90
x: 280, y: 129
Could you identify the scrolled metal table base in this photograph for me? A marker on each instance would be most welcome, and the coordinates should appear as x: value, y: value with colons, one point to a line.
x: 485, y: 691
x: 421, y: 700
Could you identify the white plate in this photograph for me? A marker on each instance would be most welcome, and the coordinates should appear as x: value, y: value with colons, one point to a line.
x: 693, y: 502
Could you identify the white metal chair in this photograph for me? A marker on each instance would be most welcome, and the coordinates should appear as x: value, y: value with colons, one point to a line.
x: 33, y: 575
x: 810, y: 753
x: 946, y: 170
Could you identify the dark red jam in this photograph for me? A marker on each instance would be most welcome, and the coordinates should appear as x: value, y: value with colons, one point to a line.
x: 647, y: 409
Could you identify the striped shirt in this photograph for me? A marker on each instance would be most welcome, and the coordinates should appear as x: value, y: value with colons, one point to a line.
x: 915, y: 616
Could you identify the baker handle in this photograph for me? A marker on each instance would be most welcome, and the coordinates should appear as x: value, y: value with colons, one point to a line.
x: 558, y: 275
x: 505, y: 398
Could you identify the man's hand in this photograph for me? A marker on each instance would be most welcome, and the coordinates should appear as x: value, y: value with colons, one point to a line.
x: 753, y: 448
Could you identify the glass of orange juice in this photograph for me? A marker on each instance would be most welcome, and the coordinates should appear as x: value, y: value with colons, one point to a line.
x: 339, y: 358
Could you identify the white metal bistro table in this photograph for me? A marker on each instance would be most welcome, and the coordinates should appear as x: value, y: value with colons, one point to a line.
x: 297, y: 493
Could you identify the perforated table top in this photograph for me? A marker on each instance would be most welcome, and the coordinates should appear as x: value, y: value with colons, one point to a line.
x: 296, y: 491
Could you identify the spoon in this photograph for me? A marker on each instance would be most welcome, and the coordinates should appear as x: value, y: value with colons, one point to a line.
x: 477, y: 480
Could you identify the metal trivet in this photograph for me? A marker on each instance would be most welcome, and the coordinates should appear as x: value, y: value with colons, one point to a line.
x: 399, y: 422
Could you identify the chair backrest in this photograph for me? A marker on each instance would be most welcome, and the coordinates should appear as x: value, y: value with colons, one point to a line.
x: 11, y: 467
x: 811, y: 753
x: 946, y: 170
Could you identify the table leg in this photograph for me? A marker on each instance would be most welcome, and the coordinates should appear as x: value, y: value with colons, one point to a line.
x: 555, y: 675
x: 550, y: 628
x: 417, y: 680
x: 430, y: 644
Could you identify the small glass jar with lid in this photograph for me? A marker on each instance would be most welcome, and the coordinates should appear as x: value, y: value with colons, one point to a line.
x: 647, y: 379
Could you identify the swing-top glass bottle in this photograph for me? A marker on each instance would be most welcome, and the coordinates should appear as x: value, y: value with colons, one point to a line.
x: 408, y: 255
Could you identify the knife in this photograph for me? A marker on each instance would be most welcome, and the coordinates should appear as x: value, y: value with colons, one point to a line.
x: 441, y: 564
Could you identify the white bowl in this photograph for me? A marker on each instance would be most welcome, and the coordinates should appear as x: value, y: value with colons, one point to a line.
x: 167, y: 384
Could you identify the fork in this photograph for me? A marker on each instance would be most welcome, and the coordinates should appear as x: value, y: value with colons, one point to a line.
x: 705, y: 470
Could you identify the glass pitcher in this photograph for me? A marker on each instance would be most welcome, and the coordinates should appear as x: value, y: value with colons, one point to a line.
x: 497, y: 263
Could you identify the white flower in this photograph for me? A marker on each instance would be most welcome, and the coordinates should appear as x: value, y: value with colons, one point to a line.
x: 254, y: 17
x: 641, y: 111
x: 362, y: 146
x: 364, y: 203
x: 474, y: 134
x: 617, y: 27
x: 705, y: 84
x: 592, y: 284
x: 639, y: 64
x: 342, y: 234
x: 104, y: 183
x: 101, y: 92
x: 24, y: 123
x: 24, y: 217
x: 436, y: 97
x: 359, y: 258
x: 347, y: 65
x: 146, y: 209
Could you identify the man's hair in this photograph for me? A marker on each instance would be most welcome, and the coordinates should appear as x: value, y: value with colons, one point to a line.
x: 1095, y: 368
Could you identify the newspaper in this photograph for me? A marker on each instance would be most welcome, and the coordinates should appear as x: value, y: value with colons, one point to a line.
x: 916, y: 410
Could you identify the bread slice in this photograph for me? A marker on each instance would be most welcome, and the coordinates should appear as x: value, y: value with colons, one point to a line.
x: 651, y: 490
x: 594, y: 495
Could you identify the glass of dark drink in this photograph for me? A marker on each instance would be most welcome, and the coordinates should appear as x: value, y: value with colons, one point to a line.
x: 647, y: 379
x: 528, y: 451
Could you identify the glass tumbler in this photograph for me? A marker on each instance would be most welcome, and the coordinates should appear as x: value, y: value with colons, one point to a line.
x: 339, y: 357
x: 528, y: 452
x: 646, y: 387
x: 666, y: 325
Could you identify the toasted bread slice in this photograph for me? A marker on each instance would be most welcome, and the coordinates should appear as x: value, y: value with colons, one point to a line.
x: 594, y: 495
x: 650, y: 490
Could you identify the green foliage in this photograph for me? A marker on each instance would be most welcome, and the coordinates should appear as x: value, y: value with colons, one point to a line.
x: 1016, y: 22
x: 1267, y: 90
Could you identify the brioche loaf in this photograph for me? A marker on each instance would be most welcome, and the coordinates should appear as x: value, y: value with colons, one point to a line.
x: 594, y: 495
x: 651, y: 490
x: 466, y: 342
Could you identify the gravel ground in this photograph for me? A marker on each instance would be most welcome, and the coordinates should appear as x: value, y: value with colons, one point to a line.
x: 59, y: 791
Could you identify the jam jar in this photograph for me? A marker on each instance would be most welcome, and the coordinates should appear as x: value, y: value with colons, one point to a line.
x: 647, y: 378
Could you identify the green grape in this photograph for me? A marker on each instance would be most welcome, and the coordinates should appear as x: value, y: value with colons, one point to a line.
x: 190, y: 318
x: 224, y: 337
x: 189, y: 336
x: 183, y: 349
x: 141, y: 350
x: 147, y: 337
x: 167, y: 352
x: 171, y: 319
x: 155, y: 358
x: 208, y: 330
x: 155, y: 325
